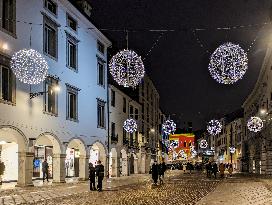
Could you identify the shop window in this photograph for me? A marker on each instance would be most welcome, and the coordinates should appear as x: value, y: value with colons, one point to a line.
x: 8, y: 15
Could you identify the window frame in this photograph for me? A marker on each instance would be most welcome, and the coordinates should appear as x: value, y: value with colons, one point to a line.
x: 113, y: 98
x: 50, y: 79
x: 13, y: 34
x: 47, y: 21
x: 73, y: 90
x: 98, y: 45
x: 46, y: 8
x: 73, y: 19
x: 102, y: 63
x: 72, y: 40
x: 5, y: 62
x: 100, y: 104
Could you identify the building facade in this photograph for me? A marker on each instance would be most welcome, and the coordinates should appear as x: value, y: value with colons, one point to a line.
x: 69, y: 127
x: 257, y: 147
x: 150, y: 100
x: 127, y: 150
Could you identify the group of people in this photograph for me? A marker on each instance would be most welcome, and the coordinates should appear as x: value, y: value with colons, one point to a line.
x: 157, y: 171
x: 97, y: 171
x: 212, y: 169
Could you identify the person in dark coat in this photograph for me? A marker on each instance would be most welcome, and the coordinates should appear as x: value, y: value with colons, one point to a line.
x: 92, y: 177
x: 161, y: 170
x: 214, y: 169
x: 100, y: 175
x: 45, y: 169
x: 209, y: 169
x: 155, y: 172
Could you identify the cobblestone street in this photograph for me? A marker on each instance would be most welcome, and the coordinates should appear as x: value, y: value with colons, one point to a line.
x: 178, y: 189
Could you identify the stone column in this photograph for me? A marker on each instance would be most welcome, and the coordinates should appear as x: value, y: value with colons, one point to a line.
x: 59, y: 168
x: 25, y: 169
x: 136, y: 165
x: 124, y: 166
x: 84, y: 167
x: 115, y: 166
x: 269, y: 161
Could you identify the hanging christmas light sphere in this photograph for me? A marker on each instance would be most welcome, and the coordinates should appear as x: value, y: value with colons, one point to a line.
x: 127, y: 68
x: 29, y: 66
x: 255, y: 124
x: 203, y: 144
x: 174, y: 143
x: 130, y: 125
x: 169, y: 127
x: 214, y: 127
x: 232, y: 149
x: 193, y: 153
x: 228, y: 63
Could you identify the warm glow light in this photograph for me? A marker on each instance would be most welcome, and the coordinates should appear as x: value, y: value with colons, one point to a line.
x: 262, y: 111
x: 5, y: 46
x: 3, y: 142
x: 56, y: 88
x: 152, y: 130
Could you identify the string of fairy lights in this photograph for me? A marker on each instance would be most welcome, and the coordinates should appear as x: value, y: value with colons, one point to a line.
x: 228, y: 64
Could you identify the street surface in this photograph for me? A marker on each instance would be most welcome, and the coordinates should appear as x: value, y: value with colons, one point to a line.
x: 178, y: 189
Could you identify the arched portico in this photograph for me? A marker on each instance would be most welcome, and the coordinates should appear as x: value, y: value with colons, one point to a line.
x: 48, y: 146
x: 76, y: 163
x: 14, y: 153
x: 98, y: 152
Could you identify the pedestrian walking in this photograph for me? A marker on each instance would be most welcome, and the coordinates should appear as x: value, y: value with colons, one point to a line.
x: 45, y: 170
x: 209, y: 169
x: 162, y: 169
x: 155, y: 172
x: 99, y: 169
x: 92, y: 177
x: 222, y: 170
x: 184, y: 167
x: 230, y: 170
x: 214, y: 169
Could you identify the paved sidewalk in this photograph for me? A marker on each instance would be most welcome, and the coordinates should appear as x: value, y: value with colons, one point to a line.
x: 51, y: 191
x: 239, y: 190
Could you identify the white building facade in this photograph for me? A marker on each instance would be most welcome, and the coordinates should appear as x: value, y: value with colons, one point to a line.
x: 69, y: 127
x: 127, y: 150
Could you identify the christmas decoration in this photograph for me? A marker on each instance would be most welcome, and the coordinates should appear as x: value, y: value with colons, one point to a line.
x: 130, y: 125
x: 232, y: 149
x: 214, y: 127
x: 169, y: 127
x: 193, y: 153
x: 127, y: 68
x: 203, y: 144
x: 228, y: 63
x: 174, y: 143
x: 255, y: 124
x: 29, y: 66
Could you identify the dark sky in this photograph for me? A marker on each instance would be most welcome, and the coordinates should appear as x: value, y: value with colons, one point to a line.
x: 178, y: 65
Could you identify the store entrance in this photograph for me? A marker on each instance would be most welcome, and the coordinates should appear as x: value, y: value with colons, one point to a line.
x: 42, y: 152
x: 72, y: 162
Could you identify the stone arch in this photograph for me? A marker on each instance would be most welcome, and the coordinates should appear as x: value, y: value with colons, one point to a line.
x: 98, y: 152
x: 113, y: 163
x: 123, y: 162
x: 76, y: 162
x: 50, y: 139
x: 13, y: 147
x: 10, y: 133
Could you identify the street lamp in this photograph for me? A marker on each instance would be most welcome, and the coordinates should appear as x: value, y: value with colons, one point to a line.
x: 56, y: 89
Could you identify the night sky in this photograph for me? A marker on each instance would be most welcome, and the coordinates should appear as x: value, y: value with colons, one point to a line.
x: 178, y: 65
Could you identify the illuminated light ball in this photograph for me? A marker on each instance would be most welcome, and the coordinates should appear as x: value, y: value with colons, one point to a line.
x: 174, y: 143
x: 228, y: 63
x: 232, y: 149
x: 29, y: 66
x: 127, y: 68
x: 255, y: 124
x: 203, y: 144
x: 169, y: 127
x: 193, y: 153
x: 130, y: 125
x: 214, y: 127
